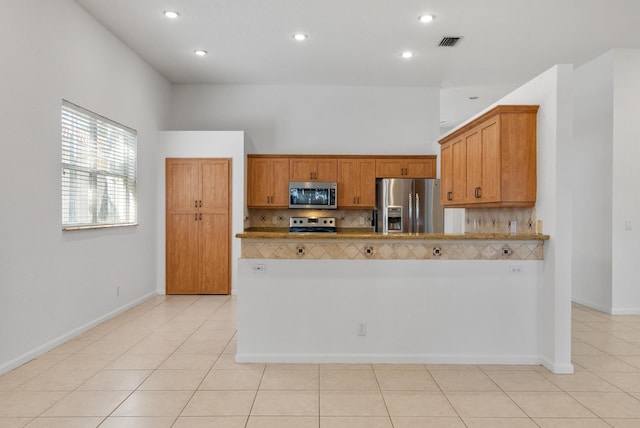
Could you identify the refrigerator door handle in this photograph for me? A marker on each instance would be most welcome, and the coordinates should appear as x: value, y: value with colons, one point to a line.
x: 410, y: 225
x: 417, y: 216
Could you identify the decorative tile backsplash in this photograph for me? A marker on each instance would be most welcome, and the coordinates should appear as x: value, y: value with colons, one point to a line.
x: 499, y: 220
x: 477, y: 220
x: 280, y: 218
x: 399, y: 250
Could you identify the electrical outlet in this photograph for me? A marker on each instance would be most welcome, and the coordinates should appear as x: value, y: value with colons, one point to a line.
x: 259, y: 268
x: 627, y: 225
x: 361, y: 220
x: 516, y: 270
x: 362, y: 328
x: 274, y: 219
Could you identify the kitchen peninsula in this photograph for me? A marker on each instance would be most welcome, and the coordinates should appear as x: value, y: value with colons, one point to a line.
x: 356, y: 296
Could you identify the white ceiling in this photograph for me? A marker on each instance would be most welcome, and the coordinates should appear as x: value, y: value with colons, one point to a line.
x: 358, y: 42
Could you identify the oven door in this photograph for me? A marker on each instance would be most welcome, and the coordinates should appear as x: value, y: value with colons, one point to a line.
x: 312, y: 195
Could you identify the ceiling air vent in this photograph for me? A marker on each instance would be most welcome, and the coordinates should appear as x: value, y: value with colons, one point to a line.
x: 449, y: 41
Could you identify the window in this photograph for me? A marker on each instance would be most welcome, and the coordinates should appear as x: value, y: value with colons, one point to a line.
x: 98, y: 171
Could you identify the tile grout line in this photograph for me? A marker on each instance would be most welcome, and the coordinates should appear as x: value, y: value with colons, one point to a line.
x: 446, y: 397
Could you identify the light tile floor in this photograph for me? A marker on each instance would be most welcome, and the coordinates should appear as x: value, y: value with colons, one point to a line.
x: 169, y: 362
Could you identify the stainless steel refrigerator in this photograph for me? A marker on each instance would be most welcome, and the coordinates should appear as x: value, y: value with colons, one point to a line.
x: 408, y: 205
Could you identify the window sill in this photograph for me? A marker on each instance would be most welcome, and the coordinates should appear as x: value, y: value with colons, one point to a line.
x: 97, y: 226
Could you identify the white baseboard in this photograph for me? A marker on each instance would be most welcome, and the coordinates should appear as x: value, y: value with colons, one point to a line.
x: 557, y: 368
x: 625, y: 311
x: 387, y: 359
x: 36, y: 352
x: 610, y: 311
x: 591, y: 305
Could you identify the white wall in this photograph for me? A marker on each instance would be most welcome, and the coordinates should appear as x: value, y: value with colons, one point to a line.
x: 552, y: 91
x: 314, y: 119
x: 417, y: 311
x: 592, y: 187
x: 54, y: 284
x: 626, y: 181
x: 606, y: 184
x: 203, y: 144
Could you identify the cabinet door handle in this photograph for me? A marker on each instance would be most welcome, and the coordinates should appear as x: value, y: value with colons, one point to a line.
x: 195, y: 205
x: 200, y: 203
x: 449, y: 196
x: 200, y: 216
x: 196, y: 217
x: 478, y: 192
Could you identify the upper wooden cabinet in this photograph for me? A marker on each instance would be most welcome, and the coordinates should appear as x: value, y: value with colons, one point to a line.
x: 267, y: 182
x: 491, y: 161
x: 356, y: 183
x: 453, y: 171
x: 268, y: 176
x: 313, y: 169
x: 406, y: 167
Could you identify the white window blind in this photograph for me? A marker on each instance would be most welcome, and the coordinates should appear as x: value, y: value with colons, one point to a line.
x: 98, y: 170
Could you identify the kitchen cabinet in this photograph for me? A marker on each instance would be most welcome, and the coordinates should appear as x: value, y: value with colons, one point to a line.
x: 198, y: 228
x: 491, y: 162
x: 267, y: 182
x: 453, y: 176
x: 356, y: 183
x: 313, y: 169
x: 406, y: 167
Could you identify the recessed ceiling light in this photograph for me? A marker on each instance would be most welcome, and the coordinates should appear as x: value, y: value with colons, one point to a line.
x: 300, y: 37
x: 200, y: 52
x: 407, y: 54
x: 171, y: 14
x: 427, y: 18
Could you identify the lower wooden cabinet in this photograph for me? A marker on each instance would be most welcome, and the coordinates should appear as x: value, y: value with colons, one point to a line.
x: 198, y: 227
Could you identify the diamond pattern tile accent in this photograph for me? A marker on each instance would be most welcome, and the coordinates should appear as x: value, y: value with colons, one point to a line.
x: 344, y: 218
x: 413, y: 250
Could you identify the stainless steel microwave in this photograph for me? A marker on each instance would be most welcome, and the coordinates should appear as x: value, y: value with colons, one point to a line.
x: 313, y: 195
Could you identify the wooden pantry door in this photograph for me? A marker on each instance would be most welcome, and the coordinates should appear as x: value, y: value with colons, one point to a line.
x: 198, y: 226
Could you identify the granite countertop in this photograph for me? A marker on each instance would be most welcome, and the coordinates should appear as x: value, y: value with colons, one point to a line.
x: 354, y: 234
